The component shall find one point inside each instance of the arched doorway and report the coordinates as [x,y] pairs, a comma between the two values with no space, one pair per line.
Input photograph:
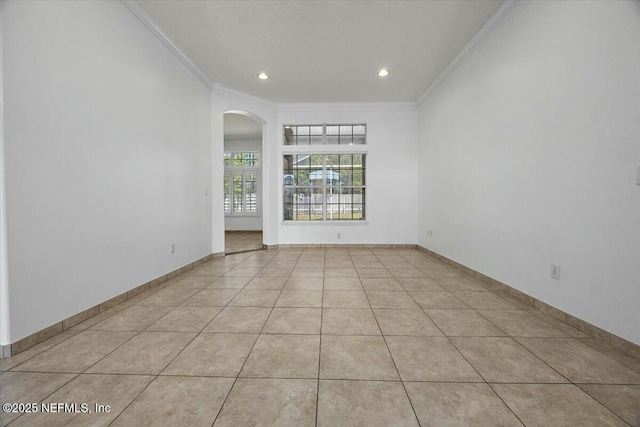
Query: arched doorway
[243,182]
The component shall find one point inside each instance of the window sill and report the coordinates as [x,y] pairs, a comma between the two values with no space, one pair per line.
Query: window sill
[290,223]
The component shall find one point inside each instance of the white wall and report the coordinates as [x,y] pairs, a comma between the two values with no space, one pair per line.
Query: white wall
[107,145]
[245,222]
[529,153]
[391,176]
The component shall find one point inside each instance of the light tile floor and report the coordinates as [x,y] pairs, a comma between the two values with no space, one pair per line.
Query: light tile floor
[328,337]
[241,241]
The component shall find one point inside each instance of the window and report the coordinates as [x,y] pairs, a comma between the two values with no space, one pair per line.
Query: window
[324,187]
[326,134]
[241,183]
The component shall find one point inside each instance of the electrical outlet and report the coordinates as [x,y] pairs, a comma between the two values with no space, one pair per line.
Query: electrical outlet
[555,271]
[429,233]
[173,248]
[339,235]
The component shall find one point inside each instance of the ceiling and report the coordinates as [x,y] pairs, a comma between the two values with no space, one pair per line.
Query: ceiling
[322,51]
[237,126]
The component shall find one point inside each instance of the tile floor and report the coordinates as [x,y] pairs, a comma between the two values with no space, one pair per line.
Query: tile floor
[327,337]
[241,241]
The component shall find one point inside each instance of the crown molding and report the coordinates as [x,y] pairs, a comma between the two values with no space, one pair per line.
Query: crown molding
[137,10]
[508,8]
[321,106]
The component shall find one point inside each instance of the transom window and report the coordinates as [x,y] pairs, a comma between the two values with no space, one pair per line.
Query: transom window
[241,175]
[324,187]
[325,134]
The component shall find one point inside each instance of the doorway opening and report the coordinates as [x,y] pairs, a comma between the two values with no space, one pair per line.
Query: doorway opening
[243,164]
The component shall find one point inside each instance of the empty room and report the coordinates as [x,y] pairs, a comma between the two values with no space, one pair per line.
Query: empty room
[319,213]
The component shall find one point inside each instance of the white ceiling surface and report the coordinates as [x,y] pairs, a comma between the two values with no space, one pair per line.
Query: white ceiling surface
[237,126]
[322,51]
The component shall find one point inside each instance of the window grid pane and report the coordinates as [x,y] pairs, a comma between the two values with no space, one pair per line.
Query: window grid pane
[323,187]
[329,134]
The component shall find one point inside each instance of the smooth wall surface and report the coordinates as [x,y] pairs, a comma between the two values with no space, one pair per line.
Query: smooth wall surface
[391,176]
[107,144]
[529,153]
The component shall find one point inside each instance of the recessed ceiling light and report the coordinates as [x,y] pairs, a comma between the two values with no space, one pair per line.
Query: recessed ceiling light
[383,73]
[263,76]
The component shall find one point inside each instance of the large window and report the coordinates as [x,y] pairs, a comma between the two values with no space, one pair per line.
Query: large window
[324,187]
[241,174]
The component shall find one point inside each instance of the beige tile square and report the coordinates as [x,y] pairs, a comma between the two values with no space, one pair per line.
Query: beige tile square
[406,272]
[304,284]
[384,299]
[211,298]
[464,323]
[146,353]
[364,403]
[564,327]
[117,391]
[461,284]
[11,362]
[419,284]
[349,321]
[293,321]
[304,265]
[191,282]
[579,362]
[23,387]
[356,357]
[133,318]
[345,299]
[77,353]
[168,297]
[555,404]
[275,272]
[243,272]
[216,355]
[273,283]
[239,320]
[520,323]
[185,319]
[429,299]
[177,401]
[367,264]
[430,359]
[405,322]
[255,298]
[338,263]
[449,404]
[624,358]
[342,284]
[504,360]
[283,403]
[310,299]
[483,300]
[340,272]
[303,273]
[284,356]
[373,273]
[381,284]
[623,400]
[229,283]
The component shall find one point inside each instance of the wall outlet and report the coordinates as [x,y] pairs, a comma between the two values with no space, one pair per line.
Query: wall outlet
[555,271]
[173,248]
[339,235]
[429,233]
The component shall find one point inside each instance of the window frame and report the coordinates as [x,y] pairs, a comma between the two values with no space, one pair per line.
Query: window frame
[229,174]
[326,151]
[325,137]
